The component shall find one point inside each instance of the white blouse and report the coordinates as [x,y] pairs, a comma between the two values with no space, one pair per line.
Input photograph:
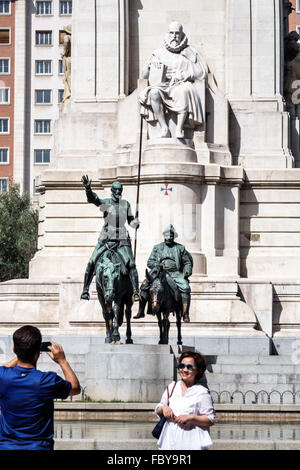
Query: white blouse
[196,400]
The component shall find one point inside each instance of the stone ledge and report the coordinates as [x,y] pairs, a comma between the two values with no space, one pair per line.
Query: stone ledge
[80,406]
[151,444]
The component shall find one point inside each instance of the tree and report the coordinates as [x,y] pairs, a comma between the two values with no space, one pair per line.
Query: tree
[18,234]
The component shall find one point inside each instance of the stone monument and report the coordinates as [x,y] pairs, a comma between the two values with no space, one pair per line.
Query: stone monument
[176,83]
[227,177]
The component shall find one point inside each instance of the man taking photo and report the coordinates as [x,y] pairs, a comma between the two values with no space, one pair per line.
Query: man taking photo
[27,394]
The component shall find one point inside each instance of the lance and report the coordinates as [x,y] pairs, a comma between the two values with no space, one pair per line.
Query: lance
[138,183]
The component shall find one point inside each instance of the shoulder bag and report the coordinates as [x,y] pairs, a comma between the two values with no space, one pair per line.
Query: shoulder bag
[159,426]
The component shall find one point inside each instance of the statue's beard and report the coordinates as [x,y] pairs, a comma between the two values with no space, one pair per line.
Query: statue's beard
[173,46]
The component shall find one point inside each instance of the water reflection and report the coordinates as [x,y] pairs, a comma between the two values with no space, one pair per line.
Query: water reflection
[117,430]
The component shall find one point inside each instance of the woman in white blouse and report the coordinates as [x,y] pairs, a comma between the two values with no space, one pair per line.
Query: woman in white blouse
[190,412]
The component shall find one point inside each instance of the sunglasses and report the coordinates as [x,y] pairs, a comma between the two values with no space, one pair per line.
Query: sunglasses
[189,367]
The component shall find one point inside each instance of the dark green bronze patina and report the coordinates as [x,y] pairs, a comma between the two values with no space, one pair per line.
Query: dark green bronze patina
[113,236]
[177,263]
[114,291]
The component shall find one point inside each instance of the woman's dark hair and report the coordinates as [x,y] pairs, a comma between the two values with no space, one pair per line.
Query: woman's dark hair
[199,362]
[27,342]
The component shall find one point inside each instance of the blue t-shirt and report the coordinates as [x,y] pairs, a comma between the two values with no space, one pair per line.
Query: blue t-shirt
[27,408]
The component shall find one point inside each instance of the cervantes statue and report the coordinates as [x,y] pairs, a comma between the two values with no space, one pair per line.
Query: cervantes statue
[175,73]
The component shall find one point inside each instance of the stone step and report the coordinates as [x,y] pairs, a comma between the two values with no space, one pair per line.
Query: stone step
[131,348]
[254,369]
[215,378]
[250,359]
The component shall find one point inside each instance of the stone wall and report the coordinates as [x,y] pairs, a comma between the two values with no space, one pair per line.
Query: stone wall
[270,224]
[204,23]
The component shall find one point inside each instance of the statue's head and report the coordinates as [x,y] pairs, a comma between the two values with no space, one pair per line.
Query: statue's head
[116,190]
[170,234]
[175,33]
[68,29]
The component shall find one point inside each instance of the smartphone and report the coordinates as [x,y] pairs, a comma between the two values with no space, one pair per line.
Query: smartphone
[44,346]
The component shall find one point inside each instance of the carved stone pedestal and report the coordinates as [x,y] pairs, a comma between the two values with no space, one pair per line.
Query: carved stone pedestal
[169,150]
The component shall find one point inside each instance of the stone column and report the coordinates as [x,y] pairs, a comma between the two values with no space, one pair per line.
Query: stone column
[255,84]
[83,50]
[208,227]
[99,50]
[220,220]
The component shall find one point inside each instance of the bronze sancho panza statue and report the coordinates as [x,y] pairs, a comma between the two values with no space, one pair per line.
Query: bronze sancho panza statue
[177,263]
[116,212]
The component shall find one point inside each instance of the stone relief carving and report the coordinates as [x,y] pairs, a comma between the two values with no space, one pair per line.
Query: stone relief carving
[176,76]
[66,57]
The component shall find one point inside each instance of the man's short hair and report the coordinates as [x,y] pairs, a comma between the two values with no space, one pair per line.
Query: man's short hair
[27,342]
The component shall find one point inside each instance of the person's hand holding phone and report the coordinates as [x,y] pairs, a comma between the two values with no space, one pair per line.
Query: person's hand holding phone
[57,353]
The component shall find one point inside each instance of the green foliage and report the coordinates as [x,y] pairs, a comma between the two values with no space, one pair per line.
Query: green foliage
[18,234]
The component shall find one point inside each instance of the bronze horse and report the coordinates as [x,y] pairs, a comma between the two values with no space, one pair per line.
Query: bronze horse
[114,291]
[161,303]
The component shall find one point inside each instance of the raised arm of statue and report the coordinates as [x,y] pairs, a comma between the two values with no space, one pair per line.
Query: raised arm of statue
[91,196]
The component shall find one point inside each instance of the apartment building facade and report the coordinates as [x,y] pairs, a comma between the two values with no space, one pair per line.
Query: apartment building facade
[31,86]
[7,69]
[294,17]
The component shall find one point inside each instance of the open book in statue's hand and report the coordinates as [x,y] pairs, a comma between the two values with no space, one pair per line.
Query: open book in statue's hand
[157,74]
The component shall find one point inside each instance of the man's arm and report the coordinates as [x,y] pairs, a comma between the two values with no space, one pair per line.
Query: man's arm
[57,355]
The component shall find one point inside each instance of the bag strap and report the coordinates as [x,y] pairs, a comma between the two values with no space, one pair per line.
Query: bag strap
[169,396]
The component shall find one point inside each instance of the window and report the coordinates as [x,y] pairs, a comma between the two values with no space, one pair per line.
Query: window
[42,126]
[4,156]
[60,67]
[4,125]
[5,7]
[3,185]
[60,96]
[4,95]
[43,97]
[42,156]
[65,8]
[43,8]
[43,38]
[4,36]
[43,67]
[298,6]
[4,66]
